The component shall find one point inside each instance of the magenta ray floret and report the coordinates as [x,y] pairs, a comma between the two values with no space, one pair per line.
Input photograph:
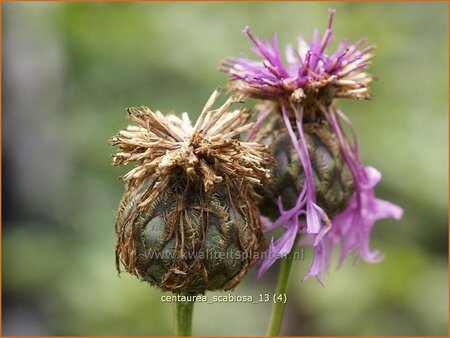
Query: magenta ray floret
[352,228]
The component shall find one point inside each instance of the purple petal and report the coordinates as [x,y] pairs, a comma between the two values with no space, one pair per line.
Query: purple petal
[277,249]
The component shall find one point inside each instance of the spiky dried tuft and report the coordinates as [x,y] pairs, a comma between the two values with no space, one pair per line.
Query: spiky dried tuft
[209,151]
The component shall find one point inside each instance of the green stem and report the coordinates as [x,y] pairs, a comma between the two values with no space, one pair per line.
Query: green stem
[182,316]
[282,285]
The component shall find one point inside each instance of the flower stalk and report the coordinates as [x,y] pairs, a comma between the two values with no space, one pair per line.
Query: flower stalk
[182,317]
[276,316]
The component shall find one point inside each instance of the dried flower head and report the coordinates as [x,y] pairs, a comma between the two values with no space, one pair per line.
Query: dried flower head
[329,195]
[187,221]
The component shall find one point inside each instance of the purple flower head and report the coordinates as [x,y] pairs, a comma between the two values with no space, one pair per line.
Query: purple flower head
[305,70]
[301,91]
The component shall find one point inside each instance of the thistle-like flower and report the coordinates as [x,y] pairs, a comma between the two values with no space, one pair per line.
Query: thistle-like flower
[308,73]
[321,188]
[187,221]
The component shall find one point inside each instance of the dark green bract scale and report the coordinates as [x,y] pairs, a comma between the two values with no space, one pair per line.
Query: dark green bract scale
[332,177]
[186,241]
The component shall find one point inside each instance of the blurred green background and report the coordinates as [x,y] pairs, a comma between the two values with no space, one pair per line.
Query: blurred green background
[69,72]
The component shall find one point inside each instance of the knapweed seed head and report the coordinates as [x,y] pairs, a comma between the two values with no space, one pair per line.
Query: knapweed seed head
[323,192]
[187,221]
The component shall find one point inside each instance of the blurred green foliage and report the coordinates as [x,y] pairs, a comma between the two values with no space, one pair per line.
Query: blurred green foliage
[71,70]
